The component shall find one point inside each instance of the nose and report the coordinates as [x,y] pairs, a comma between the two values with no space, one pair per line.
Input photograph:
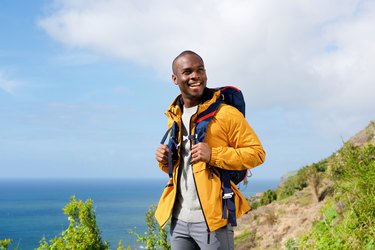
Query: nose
[195,75]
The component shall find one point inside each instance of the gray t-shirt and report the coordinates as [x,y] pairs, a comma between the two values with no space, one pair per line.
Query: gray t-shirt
[187,207]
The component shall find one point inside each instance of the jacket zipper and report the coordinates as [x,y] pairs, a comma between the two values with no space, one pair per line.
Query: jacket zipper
[195,183]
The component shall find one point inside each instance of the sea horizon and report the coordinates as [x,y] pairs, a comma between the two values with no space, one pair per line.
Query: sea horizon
[31,208]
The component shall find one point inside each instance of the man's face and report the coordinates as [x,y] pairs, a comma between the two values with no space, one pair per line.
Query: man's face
[190,76]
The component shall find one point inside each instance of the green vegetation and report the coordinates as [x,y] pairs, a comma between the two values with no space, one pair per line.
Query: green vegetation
[82,232]
[156,237]
[268,197]
[291,244]
[305,176]
[345,181]
[246,238]
[4,244]
[349,218]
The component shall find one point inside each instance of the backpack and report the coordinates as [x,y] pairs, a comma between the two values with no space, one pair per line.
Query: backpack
[231,96]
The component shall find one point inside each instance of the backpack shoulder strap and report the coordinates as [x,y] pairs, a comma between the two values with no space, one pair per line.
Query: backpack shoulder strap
[231,96]
[172,146]
[203,120]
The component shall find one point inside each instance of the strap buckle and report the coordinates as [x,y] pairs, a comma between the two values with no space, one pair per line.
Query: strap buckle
[228,196]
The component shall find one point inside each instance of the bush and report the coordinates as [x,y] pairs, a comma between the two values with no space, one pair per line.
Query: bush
[320,166]
[268,197]
[254,202]
[156,237]
[293,184]
[300,180]
[4,244]
[82,232]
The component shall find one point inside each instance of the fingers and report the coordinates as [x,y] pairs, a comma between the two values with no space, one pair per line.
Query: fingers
[201,152]
[162,153]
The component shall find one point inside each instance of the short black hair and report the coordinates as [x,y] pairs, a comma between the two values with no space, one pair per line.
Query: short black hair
[185,52]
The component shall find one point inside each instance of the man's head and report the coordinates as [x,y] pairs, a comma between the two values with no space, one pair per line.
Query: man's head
[190,76]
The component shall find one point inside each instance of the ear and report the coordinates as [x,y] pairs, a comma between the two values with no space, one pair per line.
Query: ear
[174,79]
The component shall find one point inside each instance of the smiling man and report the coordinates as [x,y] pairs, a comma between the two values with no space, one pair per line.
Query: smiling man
[193,195]
[190,76]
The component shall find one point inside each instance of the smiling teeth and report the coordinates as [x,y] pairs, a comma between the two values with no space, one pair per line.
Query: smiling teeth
[195,84]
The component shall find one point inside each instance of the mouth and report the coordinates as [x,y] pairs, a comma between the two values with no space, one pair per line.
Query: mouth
[195,85]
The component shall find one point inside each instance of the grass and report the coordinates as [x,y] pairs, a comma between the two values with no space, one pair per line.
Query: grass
[246,239]
[349,218]
[346,182]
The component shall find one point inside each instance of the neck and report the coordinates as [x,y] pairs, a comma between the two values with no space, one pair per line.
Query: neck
[188,102]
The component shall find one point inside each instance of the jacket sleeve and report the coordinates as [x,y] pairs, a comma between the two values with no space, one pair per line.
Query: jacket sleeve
[234,143]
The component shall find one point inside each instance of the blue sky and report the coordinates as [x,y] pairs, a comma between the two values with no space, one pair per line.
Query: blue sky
[84,84]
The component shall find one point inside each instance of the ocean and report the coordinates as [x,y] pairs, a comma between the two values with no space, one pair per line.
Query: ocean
[31,209]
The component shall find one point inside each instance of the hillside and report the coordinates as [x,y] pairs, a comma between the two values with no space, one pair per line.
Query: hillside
[310,205]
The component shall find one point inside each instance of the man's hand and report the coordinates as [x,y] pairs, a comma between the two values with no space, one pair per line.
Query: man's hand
[201,152]
[162,154]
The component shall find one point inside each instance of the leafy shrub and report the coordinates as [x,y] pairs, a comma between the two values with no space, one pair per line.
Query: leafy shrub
[82,232]
[268,197]
[300,180]
[293,184]
[4,244]
[320,166]
[254,203]
[121,247]
[156,237]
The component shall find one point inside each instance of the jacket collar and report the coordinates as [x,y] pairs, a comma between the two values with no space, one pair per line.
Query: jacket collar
[176,108]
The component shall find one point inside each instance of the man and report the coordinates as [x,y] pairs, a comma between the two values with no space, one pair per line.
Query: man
[193,196]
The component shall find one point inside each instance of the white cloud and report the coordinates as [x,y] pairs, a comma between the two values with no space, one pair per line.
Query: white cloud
[306,56]
[7,85]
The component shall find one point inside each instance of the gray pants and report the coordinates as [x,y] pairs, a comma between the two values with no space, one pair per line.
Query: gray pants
[192,236]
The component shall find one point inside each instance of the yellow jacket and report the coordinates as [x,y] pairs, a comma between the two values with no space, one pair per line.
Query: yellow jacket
[235,146]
